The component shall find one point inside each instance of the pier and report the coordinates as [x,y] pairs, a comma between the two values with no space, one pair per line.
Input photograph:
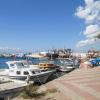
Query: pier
[81,84]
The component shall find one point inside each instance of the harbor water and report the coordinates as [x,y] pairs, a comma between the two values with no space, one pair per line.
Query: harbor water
[3,61]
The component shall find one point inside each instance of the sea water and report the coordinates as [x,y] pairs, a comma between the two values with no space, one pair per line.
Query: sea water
[3,61]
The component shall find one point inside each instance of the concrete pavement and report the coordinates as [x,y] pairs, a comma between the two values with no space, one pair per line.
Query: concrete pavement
[81,84]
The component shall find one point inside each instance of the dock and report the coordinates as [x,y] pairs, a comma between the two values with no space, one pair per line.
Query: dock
[80,84]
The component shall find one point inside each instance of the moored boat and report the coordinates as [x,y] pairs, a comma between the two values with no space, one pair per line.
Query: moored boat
[17,70]
[67,65]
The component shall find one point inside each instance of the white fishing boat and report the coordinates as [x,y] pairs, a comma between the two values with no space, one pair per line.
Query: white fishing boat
[66,65]
[17,70]
[66,68]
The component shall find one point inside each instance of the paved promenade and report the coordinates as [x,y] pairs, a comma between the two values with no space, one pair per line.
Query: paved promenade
[81,84]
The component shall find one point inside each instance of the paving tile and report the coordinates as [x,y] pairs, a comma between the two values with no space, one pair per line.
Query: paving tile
[81,84]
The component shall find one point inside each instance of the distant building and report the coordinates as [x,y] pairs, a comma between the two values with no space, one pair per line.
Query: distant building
[79,55]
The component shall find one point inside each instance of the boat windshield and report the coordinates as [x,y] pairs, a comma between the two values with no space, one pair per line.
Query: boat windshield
[21,65]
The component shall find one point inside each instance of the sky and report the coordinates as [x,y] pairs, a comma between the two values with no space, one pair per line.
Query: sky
[45,24]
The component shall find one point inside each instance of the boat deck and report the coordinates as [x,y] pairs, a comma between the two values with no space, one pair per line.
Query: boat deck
[80,84]
[8,87]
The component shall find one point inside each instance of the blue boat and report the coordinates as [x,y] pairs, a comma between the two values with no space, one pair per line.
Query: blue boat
[95,62]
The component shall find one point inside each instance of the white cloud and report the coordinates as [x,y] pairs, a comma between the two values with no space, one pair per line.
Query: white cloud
[87,42]
[91,14]
[89,2]
[92,31]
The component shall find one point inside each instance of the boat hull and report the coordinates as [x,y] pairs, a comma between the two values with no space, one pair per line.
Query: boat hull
[66,68]
[41,78]
[38,78]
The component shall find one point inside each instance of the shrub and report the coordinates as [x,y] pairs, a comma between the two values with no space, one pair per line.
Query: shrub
[31,92]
